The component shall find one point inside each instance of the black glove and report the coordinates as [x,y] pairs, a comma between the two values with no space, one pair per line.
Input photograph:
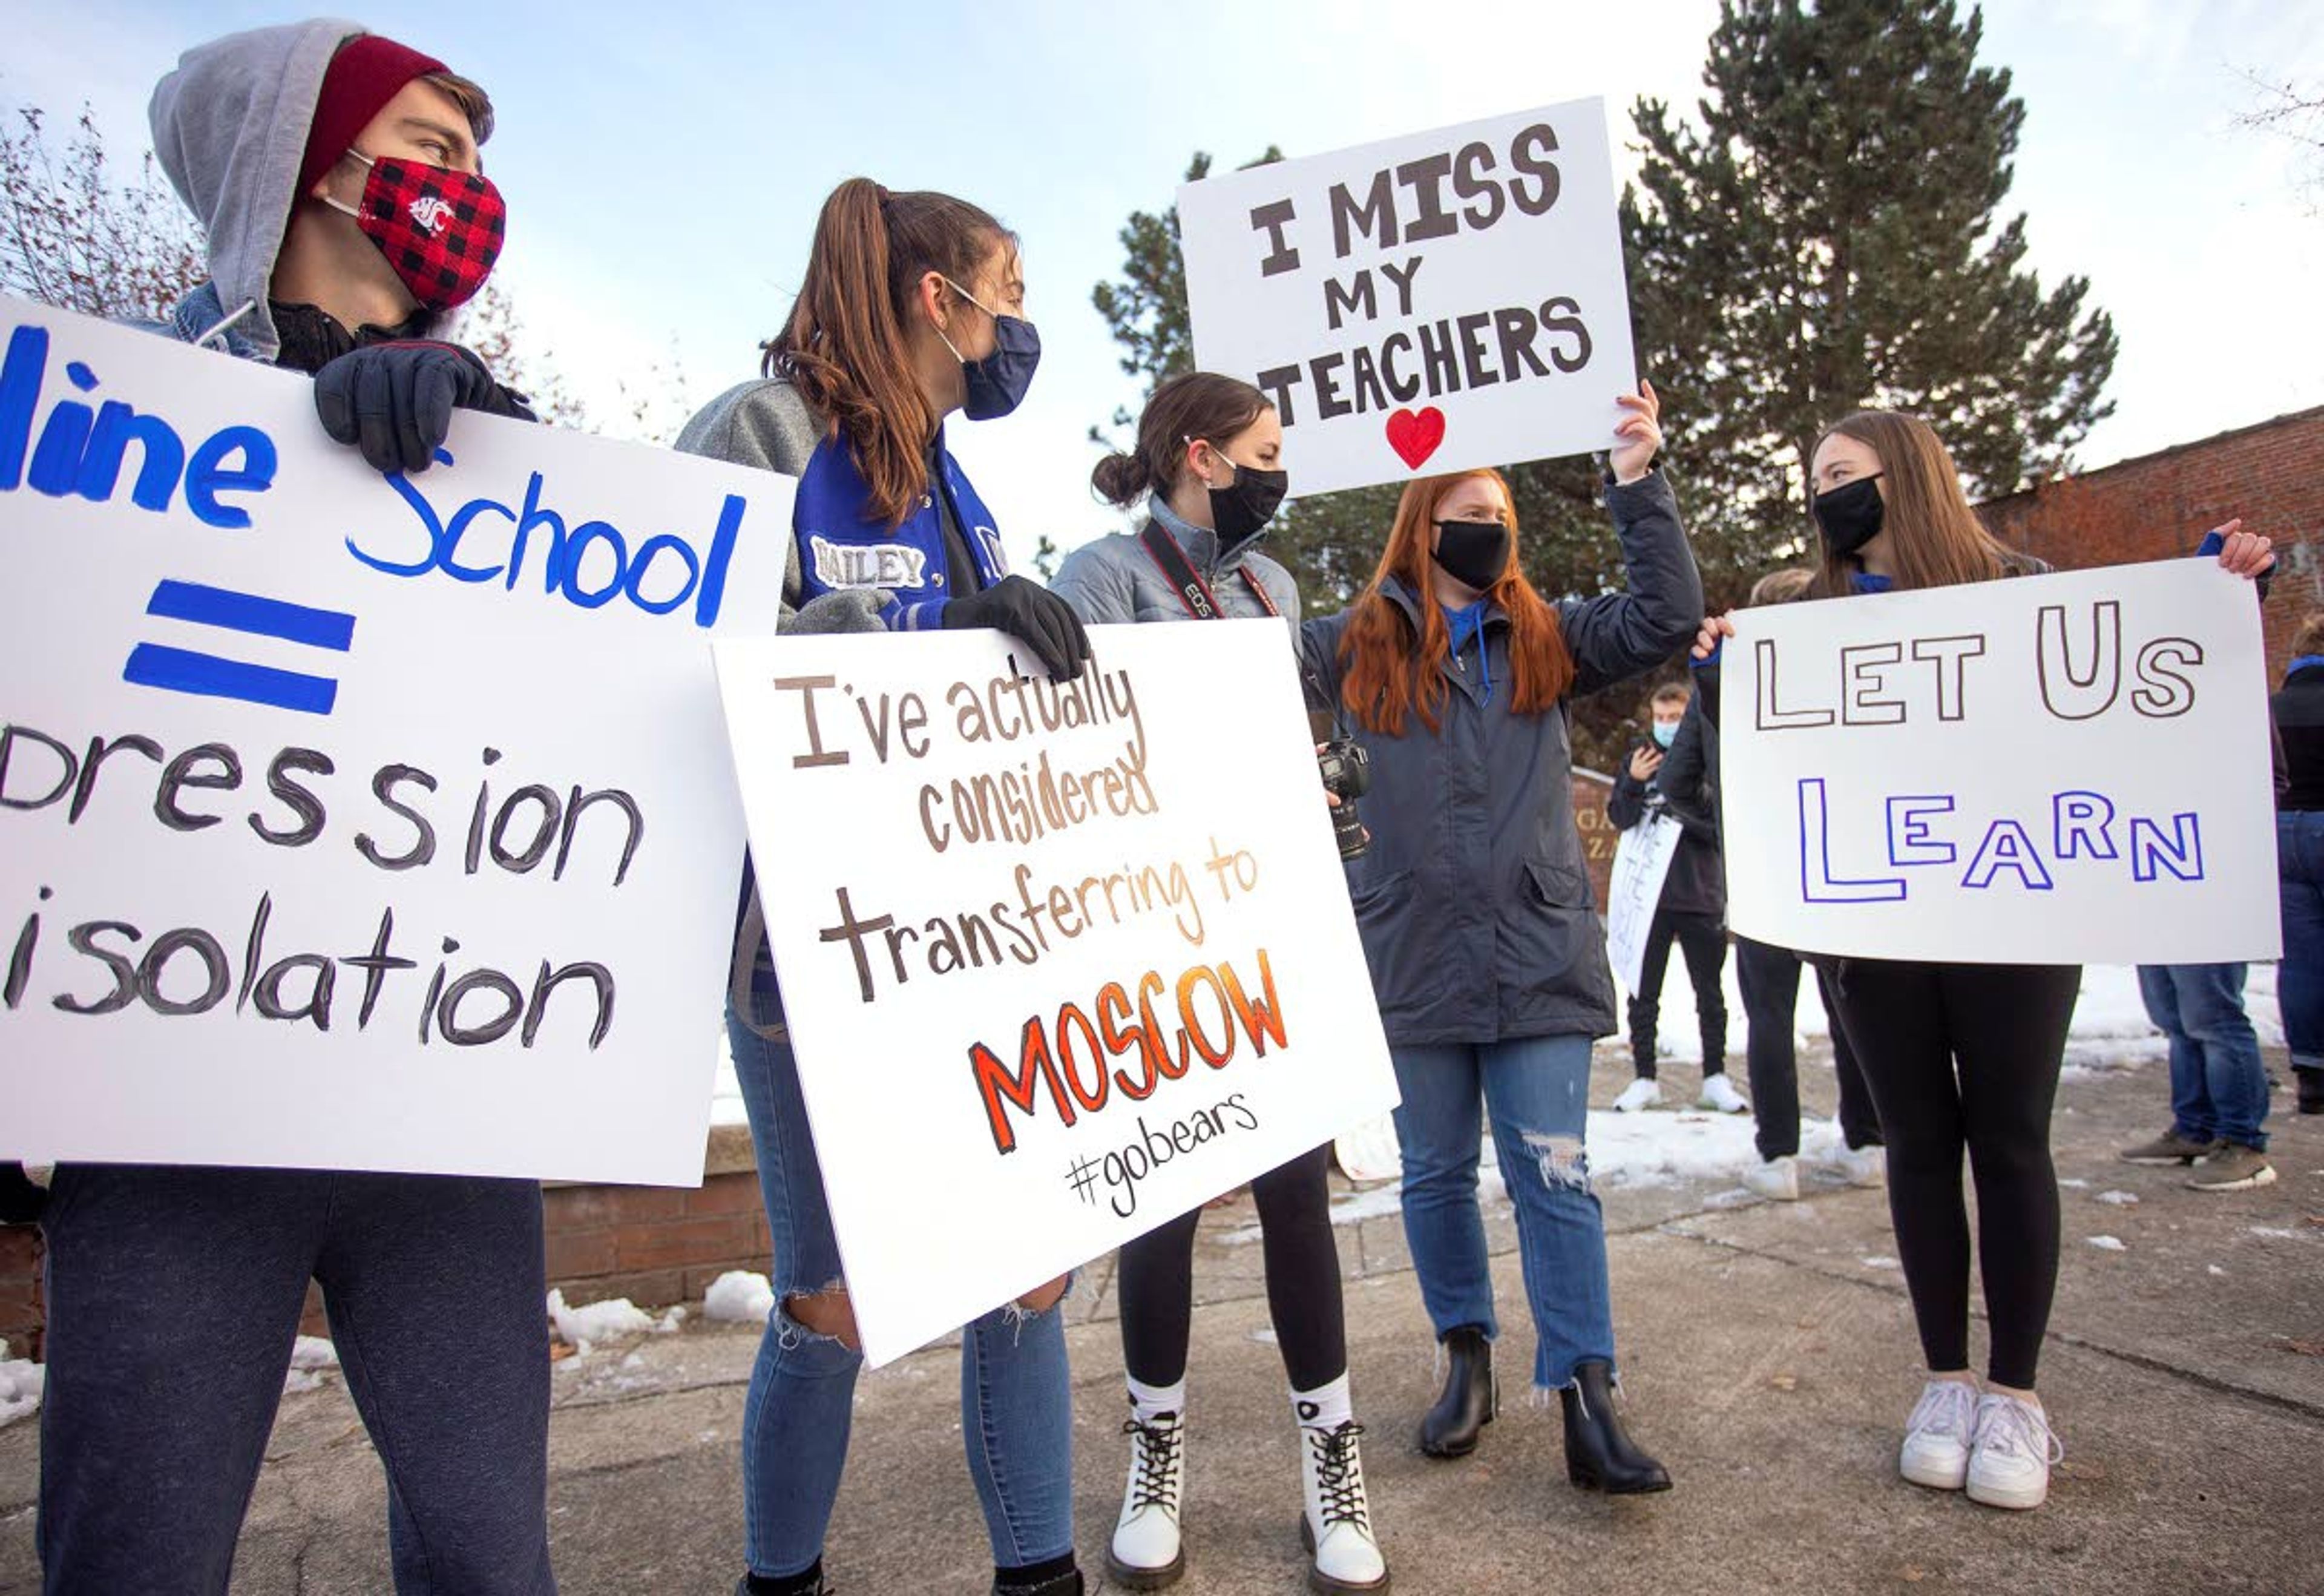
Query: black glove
[394,401]
[1030,611]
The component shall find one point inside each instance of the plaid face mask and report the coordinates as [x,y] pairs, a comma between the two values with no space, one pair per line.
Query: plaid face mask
[440,229]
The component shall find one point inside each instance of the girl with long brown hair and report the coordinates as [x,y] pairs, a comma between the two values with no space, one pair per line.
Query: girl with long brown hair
[910,308]
[1959,1057]
[1488,958]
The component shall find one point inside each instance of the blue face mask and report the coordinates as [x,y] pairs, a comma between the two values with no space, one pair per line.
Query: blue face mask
[1665,733]
[996,385]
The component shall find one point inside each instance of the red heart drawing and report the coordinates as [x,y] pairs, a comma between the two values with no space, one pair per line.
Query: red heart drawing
[1415,434]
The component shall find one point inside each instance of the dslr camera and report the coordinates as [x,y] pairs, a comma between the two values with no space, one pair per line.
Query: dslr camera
[1347,772]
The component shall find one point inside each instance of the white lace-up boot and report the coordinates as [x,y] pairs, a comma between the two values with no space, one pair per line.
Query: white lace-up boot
[1146,1552]
[1336,1529]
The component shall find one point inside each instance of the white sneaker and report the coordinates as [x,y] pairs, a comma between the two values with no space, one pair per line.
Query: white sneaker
[1336,1529]
[2009,1461]
[1147,1552]
[1863,1165]
[1777,1179]
[1718,1094]
[1938,1435]
[1640,1093]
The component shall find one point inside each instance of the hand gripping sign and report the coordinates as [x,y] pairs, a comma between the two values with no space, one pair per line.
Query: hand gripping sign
[351,821]
[2056,770]
[1429,303]
[1060,960]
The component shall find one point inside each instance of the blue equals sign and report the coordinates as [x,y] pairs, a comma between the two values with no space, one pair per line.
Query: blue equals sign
[183,670]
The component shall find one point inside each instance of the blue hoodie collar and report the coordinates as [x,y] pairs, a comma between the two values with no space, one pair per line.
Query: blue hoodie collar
[1866,582]
[1468,623]
[2300,662]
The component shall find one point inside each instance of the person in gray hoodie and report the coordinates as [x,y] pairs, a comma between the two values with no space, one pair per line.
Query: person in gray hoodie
[1488,960]
[174,1293]
[1207,466]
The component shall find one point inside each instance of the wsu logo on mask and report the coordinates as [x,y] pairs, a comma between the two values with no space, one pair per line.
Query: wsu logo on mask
[431,212]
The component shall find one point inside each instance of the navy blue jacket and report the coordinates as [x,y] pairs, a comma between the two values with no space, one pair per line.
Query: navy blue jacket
[1474,900]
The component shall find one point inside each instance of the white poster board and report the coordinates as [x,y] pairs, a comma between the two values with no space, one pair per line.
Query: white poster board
[1060,960]
[1642,861]
[1424,304]
[350,821]
[2069,769]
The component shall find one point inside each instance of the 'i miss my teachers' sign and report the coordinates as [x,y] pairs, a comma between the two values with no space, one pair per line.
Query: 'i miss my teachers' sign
[1429,303]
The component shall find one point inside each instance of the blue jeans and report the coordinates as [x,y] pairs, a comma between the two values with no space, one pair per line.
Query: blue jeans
[2299,979]
[1015,1410]
[1536,1090]
[2219,1087]
[173,1297]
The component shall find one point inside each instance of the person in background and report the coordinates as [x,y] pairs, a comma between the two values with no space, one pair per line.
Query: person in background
[1670,774]
[338,178]
[1488,957]
[910,308]
[1769,978]
[2298,709]
[1960,1057]
[1208,467]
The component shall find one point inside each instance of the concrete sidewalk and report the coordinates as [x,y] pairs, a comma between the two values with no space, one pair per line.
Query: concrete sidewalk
[1769,1361]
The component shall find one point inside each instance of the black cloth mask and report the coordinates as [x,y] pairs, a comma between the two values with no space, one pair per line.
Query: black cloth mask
[1240,510]
[1851,515]
[1475,552]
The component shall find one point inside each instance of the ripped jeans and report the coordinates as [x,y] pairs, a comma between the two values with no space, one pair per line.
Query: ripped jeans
[1014,1402]
[1535,1091]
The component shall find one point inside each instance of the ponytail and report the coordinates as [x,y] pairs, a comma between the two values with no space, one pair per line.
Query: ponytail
[847,348]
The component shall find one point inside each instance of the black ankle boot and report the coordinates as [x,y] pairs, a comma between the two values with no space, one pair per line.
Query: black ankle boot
[2312,1089]
[1467,1403]
[1600,1455]
[1069,1584]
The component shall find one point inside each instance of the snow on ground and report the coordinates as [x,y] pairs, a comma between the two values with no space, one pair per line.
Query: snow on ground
[20,1388]
[614,1319]
[739,1296]
[312,1359]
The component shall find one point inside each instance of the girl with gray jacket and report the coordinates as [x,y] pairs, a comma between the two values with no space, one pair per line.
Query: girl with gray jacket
[1208,466]
[1488,959]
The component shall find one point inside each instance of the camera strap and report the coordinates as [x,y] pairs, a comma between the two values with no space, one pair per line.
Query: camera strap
[1192,591]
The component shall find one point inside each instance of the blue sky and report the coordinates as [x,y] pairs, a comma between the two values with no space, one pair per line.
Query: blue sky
[664,165]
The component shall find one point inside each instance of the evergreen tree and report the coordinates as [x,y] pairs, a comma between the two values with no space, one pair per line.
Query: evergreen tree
[1831,237]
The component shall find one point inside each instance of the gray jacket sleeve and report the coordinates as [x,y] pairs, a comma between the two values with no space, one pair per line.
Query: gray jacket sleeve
[1098,586]
[765,424]
[1624,634]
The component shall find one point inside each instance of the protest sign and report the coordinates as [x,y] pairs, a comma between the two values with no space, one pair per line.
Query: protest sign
[1424,304]
[2048,770]
[351,821]
[1060,960]
[1642,861]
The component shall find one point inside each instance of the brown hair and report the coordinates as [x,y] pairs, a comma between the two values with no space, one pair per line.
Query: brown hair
[1935,538]
[475,104]
[844,348]
[1391,672]
[1195,404]
[1672,692]
[2310,638]
[1780,587]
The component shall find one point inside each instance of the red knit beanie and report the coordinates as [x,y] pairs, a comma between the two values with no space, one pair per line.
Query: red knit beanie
[368,72]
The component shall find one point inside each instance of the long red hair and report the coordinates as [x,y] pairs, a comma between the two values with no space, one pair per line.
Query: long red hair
[1389,672]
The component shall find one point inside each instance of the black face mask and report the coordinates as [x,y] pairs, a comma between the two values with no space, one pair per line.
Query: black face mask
[1240,510]
[1474,552]
[996,385]
[1851,515]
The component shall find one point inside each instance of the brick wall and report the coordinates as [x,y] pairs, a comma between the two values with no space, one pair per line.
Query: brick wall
[655,1245]
[2159,505]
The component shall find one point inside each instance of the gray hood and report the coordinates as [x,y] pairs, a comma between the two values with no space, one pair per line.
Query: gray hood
[230,129]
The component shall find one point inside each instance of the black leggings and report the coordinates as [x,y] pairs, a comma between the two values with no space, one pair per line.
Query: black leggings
[1702,938]
[1967,1056]
[1770,979]
[1303,1282]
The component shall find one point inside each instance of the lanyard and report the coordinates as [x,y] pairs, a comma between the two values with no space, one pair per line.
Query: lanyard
[1192,591]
